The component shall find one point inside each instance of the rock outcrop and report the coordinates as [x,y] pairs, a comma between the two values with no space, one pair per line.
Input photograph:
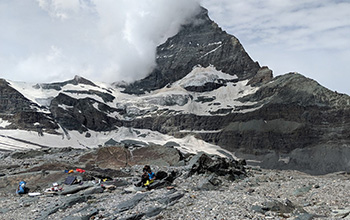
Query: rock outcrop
[81,114]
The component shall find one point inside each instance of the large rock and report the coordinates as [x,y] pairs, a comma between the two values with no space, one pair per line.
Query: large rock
[212,182]
[117,156]
[131,203]
[63,203]
[203,163]
[83,214]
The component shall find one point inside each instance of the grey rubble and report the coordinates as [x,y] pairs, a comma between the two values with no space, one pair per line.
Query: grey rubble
[196,193]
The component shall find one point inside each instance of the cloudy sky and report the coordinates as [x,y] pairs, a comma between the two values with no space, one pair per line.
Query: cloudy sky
[311,37]
[113,40]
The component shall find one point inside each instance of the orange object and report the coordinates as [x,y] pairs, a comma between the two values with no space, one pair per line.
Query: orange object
[71,171]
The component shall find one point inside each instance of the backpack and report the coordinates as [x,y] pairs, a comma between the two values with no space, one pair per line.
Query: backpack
[161,175]
[21,189]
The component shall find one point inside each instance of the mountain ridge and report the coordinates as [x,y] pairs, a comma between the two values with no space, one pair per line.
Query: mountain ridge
[205,94]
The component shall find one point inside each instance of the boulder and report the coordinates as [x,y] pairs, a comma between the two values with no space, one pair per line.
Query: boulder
[74,189]
[153,211]
[63,203]
[93,190]
[280,207]
[114,157]
[171,198]
[131,203]
[84,213]
[210,183]
[203,163]
[137,216]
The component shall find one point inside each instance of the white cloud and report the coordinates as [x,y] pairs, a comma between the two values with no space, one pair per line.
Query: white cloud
[106,40]
[60,8]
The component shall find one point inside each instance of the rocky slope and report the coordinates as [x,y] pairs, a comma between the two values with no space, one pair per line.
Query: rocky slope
[205,94]
[202,187]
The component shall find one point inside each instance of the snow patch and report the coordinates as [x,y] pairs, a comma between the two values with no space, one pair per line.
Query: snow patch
[43,97]
[65,107]
[201,75]
[212,51]
[200,131]
[95,105]
[4,123]
[215,43]
[11,140]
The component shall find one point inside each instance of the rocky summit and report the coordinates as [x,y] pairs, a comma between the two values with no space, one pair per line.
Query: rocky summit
[204,111]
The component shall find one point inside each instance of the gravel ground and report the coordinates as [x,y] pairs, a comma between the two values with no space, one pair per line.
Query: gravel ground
[320,196]
[264,194]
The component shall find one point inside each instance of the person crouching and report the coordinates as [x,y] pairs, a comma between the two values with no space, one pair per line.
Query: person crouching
[151,176]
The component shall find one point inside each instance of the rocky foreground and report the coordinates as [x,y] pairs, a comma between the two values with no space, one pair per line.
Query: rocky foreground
[197,187]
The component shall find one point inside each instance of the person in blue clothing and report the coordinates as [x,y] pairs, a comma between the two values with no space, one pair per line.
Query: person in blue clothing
[151,175]
[22,189]
[147,177]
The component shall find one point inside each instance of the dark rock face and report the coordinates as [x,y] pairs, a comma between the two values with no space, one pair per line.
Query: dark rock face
[11,101]
[201,42]
[21,112]
[297,117]
[297,113]
[80,114]
[209,86]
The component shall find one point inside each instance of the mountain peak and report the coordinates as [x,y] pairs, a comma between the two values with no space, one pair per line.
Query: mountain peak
[81,80]
[199,42]
[58,85]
